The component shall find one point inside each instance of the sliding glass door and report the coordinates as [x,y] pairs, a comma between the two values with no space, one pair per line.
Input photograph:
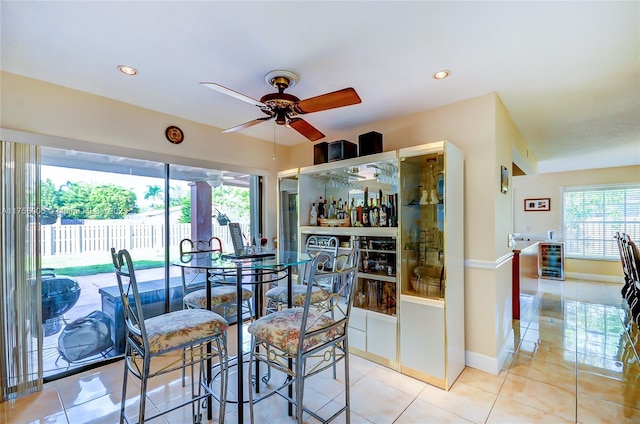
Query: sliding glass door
[92,202]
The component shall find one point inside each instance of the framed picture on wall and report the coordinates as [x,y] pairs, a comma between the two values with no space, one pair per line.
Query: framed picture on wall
[504,179]
[537,205]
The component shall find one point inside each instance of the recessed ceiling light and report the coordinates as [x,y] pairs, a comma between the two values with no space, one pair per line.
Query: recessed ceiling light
[441,74]
[128,70]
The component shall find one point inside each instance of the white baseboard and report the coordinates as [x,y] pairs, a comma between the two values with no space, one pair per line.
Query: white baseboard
[595,277]
[488,363]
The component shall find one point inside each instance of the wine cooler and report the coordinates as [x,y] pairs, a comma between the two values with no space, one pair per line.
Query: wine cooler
[551,260]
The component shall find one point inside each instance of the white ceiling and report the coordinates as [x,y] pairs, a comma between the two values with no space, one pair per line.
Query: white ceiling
[568,72]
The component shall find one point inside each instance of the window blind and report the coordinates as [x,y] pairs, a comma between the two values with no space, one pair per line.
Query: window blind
[592,215]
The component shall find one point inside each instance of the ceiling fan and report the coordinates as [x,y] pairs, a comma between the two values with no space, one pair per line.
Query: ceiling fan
[285,107]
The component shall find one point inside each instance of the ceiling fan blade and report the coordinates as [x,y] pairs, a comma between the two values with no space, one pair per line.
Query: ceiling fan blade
[232,93]
[340,98]
[247,124]
[306,129]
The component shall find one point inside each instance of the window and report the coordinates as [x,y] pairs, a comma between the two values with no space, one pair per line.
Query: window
[592,216]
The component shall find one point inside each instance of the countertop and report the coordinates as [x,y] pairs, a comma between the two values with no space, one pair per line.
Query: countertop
[524,244]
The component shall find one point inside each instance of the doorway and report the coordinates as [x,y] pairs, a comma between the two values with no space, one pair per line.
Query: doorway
[92,202]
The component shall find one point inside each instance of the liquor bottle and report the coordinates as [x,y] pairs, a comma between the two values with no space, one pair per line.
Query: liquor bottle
[392,212]
[332,210]
[373,213]
[365,209]
[353,212]
[321,208]
[383,212]
[395,210]
[313,215]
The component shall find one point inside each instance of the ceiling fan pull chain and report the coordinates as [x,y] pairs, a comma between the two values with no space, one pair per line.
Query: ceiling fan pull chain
[274,141]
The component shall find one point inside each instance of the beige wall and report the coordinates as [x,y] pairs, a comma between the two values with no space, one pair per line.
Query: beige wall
[76,120]
[549,185]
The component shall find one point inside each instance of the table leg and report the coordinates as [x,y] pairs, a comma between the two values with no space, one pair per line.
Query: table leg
[289,304]
[239,356]
[257,312]
[209,374]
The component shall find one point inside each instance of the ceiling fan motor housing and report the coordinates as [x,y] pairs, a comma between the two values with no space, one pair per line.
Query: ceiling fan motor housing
[279,104]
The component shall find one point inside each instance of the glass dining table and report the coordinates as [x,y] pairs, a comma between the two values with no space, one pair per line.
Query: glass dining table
[257,269]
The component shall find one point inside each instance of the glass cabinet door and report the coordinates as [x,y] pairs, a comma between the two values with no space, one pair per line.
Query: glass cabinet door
[422,225]
[431,306]
[288,212]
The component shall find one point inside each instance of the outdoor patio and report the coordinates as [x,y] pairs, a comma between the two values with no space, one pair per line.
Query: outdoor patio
[90,300]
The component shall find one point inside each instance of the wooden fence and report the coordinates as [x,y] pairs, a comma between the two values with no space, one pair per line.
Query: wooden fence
[59,239]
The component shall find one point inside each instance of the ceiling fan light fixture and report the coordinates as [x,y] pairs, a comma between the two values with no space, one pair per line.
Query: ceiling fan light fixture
[128,70]
[281,118]
[441,74]
[215,183]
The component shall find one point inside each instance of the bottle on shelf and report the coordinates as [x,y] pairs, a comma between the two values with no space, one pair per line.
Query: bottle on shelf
[332,210]
[365,209]
[393,211]
[353,213]
[313,215]
[321,208]
[383,212]
[373,212]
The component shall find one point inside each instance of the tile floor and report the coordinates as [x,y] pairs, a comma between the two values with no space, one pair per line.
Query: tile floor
[575,359]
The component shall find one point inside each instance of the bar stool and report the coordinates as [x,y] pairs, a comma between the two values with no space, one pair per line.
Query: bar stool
[197,333]
[288,339]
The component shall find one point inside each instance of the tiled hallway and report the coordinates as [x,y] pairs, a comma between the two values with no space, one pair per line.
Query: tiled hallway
[575,359]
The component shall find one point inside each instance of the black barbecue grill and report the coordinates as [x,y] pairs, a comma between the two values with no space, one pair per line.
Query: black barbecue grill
[59,294]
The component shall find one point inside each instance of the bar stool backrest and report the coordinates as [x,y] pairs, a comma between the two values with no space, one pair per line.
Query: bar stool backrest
[131,302]
[328,247]
[188,246]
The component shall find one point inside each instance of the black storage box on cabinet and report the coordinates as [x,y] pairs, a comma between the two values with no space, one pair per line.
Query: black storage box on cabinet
[320,154]
[370,143]
[342,149]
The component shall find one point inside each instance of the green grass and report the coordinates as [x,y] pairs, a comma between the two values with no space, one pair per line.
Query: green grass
[98,262]
[78,271]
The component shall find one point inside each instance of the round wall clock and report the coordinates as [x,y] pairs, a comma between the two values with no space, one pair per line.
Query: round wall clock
[174,134]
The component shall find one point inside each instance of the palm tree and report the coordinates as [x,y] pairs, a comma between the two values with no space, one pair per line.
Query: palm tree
[153,192]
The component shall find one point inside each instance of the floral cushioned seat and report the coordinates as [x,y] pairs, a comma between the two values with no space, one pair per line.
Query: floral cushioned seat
[282,329]
[182,328]
[279,294]
[219,296]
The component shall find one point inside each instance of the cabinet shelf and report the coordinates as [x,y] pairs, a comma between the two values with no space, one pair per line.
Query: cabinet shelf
[365,250]
[437,303]
[350,231]
[378,276]
[381,310]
